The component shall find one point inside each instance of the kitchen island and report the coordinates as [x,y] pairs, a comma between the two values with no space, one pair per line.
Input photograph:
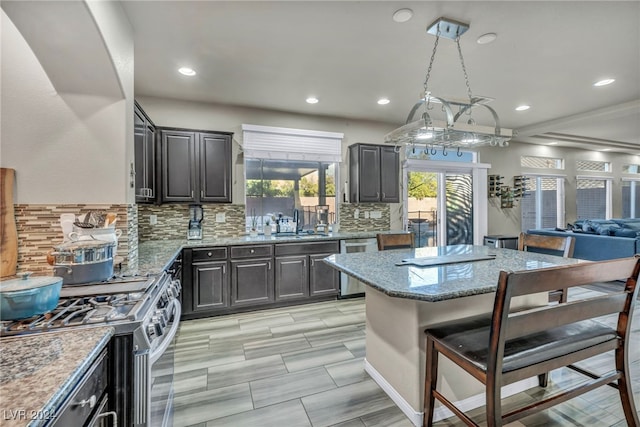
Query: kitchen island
[39,372]
[403,300]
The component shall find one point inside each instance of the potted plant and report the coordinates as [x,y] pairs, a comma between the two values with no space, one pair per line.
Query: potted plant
[253,231]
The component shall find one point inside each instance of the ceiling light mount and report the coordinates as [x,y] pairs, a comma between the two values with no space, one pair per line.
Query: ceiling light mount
[448,28]
[450,131]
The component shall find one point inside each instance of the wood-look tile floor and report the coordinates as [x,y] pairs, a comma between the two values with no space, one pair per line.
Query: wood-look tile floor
[303,366]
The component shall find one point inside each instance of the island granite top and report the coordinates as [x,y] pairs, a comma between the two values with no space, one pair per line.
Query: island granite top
[38,371]
[443,282]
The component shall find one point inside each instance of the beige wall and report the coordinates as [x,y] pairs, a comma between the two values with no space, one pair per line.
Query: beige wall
[67,147]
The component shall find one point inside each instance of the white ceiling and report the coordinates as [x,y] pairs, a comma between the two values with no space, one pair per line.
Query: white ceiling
[274,55]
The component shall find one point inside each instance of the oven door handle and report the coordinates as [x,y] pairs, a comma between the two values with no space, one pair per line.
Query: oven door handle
[168,337]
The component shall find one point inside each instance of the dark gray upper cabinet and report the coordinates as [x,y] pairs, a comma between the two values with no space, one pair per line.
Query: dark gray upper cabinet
[195,166]
[389,175]
[373,174]
[215,167]
[145,156]
[178,166]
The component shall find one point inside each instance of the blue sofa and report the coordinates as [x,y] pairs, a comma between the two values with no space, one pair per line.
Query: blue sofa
[599,239]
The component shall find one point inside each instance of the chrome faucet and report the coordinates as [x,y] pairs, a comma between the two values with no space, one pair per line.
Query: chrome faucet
[296,219]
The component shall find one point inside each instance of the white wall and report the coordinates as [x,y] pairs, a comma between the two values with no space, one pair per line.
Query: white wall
[506,162]
[67,147]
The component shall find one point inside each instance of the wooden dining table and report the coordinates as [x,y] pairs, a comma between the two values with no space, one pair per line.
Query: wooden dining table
[409,290]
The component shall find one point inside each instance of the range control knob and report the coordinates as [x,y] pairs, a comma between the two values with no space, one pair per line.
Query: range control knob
[161,318]
[158,327]
[151,331]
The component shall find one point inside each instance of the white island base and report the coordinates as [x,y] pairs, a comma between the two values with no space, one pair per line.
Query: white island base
[395,350]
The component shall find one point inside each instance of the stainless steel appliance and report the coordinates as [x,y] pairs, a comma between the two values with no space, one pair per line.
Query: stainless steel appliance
[145,313]
[350,287]
[195,222]
[501,241]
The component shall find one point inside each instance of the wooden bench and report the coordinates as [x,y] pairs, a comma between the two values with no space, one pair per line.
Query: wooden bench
[506,347]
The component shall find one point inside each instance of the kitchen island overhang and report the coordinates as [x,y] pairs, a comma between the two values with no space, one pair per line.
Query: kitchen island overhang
[401,301]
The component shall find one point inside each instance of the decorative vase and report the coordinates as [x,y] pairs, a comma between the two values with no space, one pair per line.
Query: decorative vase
[267,230]
[253,232]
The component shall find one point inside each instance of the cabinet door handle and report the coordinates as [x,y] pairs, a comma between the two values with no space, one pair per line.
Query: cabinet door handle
[252,250]
[192,194]
[209,254]
[304,262]
[202,194]
[313,262]
[377,194]
[384,195]
[269,265]
[224,269]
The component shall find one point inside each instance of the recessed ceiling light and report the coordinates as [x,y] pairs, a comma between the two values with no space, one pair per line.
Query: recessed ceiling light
[553,143]
[187,71]
[523,107]
[604,82]
[605,149]
[487,38]
[402,15]
[312,100]
[383,101]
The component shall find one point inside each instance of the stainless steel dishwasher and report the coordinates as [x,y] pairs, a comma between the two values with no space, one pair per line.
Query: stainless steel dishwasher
[350,287]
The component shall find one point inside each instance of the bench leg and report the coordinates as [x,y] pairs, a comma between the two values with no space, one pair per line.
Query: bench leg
[431,379]
[624,388]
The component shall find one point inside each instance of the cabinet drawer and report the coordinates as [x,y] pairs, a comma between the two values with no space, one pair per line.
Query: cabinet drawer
[90,391]
[307,248]
[253,251]
[209,254]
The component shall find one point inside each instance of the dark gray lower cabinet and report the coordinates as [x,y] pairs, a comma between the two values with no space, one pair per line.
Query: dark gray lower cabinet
[292,277]
[251,282]
[210,285]
[228,279]
[323,279]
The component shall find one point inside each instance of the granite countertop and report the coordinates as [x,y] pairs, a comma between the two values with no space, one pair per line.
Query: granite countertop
[439,283]
[154,256]
[38,371]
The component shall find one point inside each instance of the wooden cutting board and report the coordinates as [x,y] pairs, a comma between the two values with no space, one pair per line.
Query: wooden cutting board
[8,230]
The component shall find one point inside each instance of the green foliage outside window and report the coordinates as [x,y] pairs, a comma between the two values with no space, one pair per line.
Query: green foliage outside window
[422,185]
[260,188]
[309,188]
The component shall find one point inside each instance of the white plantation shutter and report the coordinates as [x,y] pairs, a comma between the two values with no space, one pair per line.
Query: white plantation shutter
[265,142]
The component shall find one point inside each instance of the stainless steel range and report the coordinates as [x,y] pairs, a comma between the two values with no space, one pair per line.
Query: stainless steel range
[145,313]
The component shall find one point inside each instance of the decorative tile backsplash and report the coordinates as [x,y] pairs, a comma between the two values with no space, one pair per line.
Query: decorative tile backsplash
[39,231]
[367,217]
[173,221]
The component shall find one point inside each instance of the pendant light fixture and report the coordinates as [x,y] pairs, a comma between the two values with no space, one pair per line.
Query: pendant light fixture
[456,128]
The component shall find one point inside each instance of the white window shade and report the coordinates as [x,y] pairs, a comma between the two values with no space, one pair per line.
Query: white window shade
[264,142]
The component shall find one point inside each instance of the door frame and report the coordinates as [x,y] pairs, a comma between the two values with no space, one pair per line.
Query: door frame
[478,172]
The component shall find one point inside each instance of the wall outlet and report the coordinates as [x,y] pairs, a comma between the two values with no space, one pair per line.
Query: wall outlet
[366,214]
[220,217]
[376,214]
[356,213]
[153,219]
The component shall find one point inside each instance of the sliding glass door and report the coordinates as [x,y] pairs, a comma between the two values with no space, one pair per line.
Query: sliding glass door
[445,203]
